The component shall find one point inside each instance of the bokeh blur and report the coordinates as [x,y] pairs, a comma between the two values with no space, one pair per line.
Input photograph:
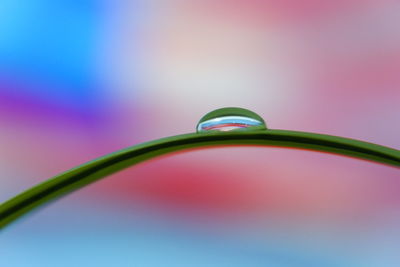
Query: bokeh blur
[81,79]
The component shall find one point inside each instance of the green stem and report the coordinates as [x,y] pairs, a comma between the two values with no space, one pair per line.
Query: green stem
[99,168]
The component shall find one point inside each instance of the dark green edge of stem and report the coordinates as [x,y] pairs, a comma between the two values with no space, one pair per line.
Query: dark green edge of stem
[99,168]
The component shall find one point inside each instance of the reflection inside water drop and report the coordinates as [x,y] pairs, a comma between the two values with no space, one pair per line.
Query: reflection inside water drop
[228,123]
[230,119]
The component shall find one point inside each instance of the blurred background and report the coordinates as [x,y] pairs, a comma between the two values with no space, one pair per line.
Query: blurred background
[81,79]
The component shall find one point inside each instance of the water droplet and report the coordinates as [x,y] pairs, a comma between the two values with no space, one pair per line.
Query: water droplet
[230,119]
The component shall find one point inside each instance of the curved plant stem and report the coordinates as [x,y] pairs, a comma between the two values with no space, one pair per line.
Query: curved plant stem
[99,168]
